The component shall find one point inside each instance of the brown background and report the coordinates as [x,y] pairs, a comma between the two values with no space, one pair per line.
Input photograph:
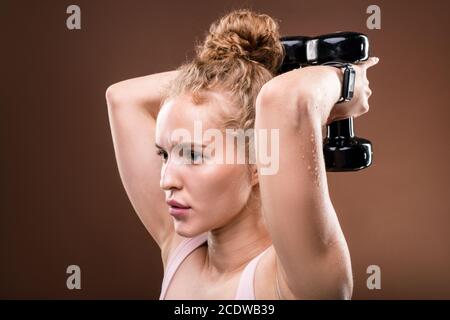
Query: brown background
[62,199]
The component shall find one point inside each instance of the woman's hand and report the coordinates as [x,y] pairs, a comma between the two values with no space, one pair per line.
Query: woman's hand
[359,104]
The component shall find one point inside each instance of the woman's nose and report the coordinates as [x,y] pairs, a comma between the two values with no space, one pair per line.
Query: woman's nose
[170,176]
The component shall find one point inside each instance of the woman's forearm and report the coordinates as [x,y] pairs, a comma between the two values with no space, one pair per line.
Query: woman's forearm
[145,92]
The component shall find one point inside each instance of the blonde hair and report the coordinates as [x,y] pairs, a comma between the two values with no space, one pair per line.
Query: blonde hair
[240,53]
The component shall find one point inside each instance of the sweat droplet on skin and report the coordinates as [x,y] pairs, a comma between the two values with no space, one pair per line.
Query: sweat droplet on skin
[314,154]
[311,160]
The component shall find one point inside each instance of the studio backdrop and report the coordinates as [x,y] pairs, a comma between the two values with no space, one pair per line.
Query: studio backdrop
[63,205]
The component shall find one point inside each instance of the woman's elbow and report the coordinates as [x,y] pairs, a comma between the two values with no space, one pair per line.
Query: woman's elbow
[113,94]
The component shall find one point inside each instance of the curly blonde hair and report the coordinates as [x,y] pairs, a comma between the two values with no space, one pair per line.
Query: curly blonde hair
[240,53]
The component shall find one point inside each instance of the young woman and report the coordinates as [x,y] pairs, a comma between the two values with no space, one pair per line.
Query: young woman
[227,231]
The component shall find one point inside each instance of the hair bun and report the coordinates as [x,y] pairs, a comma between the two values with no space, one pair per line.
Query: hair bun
[244,34]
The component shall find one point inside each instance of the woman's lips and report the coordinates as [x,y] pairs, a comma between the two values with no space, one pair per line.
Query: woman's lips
[178,212]
[177,209]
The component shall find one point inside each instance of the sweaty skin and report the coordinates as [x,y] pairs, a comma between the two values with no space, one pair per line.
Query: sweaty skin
[243,211]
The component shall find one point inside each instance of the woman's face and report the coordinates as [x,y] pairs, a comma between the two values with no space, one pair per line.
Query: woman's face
[215,192]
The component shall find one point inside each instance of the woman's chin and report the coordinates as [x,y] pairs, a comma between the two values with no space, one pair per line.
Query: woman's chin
[183,229]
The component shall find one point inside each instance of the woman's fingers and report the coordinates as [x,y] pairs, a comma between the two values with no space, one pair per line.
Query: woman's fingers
[359,105]
[371,62]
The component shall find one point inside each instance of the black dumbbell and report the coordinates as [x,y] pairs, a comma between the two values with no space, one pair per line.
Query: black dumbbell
[343,151]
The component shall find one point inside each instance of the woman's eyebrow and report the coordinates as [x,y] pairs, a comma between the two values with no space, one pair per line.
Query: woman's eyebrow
[191,144]
[184,144]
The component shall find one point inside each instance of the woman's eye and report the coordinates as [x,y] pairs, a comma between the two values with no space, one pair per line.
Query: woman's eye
[162,153]
[195,156]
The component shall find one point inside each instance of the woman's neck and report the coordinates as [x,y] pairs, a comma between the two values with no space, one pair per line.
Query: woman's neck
[232,246]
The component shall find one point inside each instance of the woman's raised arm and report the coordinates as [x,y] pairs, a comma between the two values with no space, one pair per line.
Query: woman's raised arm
[311,252]
[132,108]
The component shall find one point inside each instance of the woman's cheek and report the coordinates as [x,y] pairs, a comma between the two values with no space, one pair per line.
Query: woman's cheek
[218,187]
[212,180]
